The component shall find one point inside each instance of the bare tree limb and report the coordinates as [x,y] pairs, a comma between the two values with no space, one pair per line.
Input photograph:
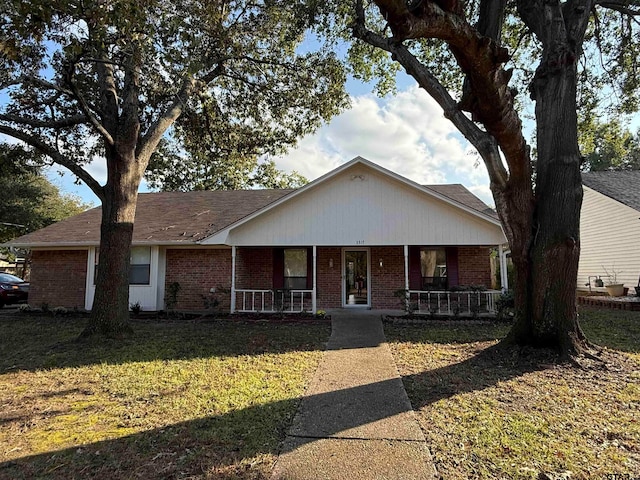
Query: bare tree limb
[150,140]
[56,157]
[39,82]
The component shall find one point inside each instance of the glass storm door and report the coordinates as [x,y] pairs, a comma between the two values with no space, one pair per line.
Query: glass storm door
[355,278]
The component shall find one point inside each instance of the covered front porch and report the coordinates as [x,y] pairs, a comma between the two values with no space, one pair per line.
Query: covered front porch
[424,279]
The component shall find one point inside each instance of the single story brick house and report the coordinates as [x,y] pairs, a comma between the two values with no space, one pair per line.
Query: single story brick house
[351,238]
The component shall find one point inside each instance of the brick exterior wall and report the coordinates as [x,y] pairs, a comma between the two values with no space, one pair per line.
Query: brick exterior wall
[197,271]
[474,266]
[254,268]
[387,279]
[329,279]
[58,278]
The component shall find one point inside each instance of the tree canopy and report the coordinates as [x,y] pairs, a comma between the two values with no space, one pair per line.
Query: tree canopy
[29,201]
[171,170]
[107,81]
[610,146]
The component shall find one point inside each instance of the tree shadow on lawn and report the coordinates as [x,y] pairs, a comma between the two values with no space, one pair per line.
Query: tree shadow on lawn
[41,343]
[224,446]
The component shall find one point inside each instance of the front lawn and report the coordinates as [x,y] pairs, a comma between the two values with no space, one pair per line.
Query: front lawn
[176,400]
[490,413]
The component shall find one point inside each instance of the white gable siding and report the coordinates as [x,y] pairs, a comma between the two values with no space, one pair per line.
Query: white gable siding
[361,206]
[610,239]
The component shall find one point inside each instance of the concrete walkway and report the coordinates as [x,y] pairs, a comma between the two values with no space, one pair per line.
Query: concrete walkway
[355,421]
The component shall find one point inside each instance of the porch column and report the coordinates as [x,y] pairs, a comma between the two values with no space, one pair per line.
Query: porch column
[406,267]
[504,280]
[314,303]
[233,279]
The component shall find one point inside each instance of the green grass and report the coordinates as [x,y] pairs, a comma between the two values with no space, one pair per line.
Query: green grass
[614,329]
[195,400]
[494,413]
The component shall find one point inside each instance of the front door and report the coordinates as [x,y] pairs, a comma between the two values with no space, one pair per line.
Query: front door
[355,278]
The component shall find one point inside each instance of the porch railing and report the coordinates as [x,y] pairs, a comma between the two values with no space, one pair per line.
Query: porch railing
[287,301]
[445,302]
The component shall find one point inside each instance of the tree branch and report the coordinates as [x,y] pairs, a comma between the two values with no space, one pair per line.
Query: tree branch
[621,6]
[480,58]
[151,138]
[32,122]
[84,106]
[57,157]
[44,84]
[482,141]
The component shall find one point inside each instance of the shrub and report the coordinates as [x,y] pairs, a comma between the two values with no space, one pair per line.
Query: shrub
[59,311]
[171,297]
[505,305]
[136,308]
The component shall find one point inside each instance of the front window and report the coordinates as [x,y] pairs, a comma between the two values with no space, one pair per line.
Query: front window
[295,268]
[140,269]
[433,268]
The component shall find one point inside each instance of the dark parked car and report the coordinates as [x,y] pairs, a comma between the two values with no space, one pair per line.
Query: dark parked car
[12,289]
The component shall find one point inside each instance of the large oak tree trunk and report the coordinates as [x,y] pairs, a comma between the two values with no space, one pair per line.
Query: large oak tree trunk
[110,310]
[546,282]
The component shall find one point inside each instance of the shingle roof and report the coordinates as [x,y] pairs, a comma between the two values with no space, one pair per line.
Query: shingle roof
[460,194]
[162,218]
[623,186]
[174,218]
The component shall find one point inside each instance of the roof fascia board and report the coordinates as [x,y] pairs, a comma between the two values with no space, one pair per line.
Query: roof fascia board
[68,245]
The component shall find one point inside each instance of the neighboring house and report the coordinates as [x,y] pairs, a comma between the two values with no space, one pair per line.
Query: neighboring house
[610,228]
[351,238]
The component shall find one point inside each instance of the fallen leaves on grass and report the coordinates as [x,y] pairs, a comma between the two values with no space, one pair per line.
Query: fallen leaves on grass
[509,413]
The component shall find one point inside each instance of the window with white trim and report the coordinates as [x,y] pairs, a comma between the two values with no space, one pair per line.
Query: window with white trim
[140,268]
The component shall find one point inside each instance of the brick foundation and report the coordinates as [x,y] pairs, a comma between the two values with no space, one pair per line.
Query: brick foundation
[58,278]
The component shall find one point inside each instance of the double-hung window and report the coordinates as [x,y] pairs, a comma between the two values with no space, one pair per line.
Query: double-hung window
[433,268]
[295,268]
[139,269]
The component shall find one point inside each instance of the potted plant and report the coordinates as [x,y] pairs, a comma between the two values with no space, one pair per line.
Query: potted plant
[614,289]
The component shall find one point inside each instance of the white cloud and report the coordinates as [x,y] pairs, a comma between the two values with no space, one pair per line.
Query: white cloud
[407,134]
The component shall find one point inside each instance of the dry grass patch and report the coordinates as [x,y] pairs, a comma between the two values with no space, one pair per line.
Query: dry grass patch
[176,400]
[496,413]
